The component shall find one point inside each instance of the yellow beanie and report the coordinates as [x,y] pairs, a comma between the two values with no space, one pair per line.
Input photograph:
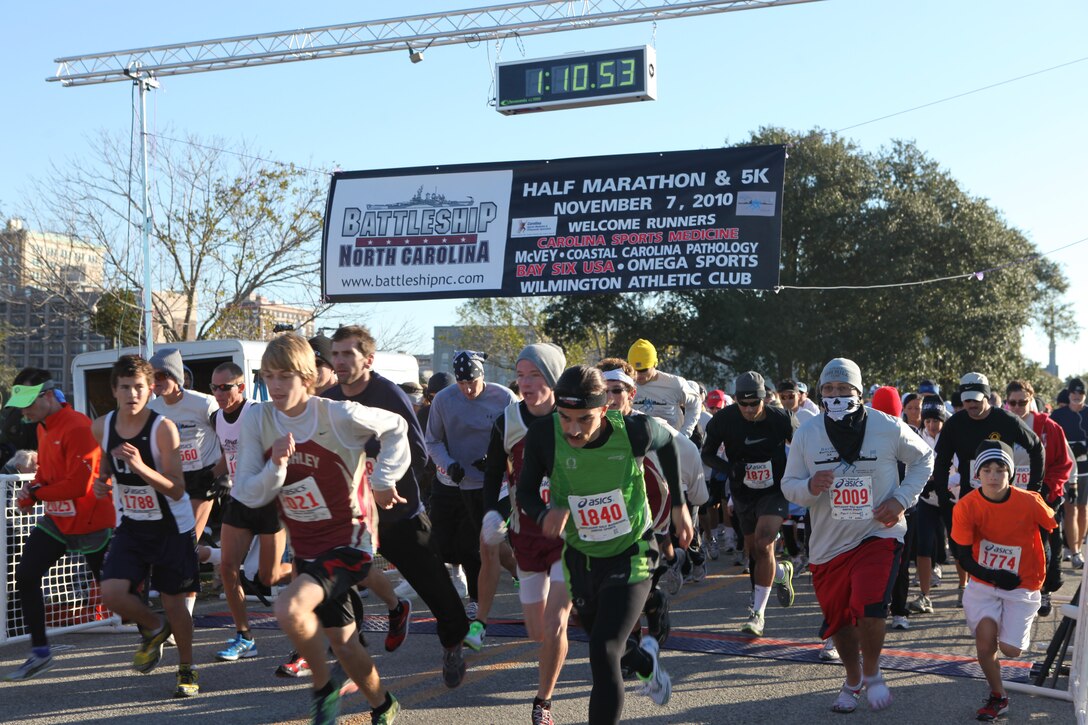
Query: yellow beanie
[642,355]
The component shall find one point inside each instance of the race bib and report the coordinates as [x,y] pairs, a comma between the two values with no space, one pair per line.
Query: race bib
[302,501]
[546,491]
[190,456]
[999,556]
[601,517]
[140,503]
[65,508]
[1021,476]
[504,489]
[975,483]
[232,464]
[852,498]
[758,475]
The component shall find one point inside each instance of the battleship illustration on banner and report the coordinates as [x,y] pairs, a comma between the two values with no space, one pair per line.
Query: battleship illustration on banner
[420,199]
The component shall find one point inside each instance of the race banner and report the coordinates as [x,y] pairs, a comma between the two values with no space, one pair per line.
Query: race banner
[707,219]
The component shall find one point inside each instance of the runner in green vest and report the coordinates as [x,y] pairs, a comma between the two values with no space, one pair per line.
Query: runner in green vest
[593,458]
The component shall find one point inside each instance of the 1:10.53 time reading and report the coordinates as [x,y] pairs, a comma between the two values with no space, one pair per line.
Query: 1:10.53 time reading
[572,78]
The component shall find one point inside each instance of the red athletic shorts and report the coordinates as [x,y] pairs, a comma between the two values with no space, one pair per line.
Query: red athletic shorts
[856,583]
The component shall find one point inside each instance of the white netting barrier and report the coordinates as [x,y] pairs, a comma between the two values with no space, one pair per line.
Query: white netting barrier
[72,598]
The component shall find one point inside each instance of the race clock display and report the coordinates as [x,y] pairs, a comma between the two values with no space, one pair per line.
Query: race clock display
[575,80]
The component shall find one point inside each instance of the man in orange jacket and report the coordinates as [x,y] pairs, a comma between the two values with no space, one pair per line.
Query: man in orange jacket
[75,520]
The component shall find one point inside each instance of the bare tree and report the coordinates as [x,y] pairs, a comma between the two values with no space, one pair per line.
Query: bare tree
[225,225]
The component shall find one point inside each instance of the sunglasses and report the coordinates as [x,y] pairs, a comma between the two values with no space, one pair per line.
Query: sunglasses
[225,388]
[617,391]
[1016,403]
[752,404]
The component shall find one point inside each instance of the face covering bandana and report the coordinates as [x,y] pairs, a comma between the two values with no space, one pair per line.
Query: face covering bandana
[839,407]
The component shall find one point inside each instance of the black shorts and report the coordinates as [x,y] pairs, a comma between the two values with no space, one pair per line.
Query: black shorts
[200,484]
[337,571]
[260,521]
[169,558]
[588,575]
[749,510]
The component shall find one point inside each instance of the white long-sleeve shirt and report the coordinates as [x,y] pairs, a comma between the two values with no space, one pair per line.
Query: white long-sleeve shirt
[257,480]
[888,441]
[669,398]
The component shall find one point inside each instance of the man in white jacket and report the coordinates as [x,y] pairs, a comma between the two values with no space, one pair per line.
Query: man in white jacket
[843,465]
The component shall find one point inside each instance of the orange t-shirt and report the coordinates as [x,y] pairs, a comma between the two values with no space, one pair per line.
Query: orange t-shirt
[1005,535]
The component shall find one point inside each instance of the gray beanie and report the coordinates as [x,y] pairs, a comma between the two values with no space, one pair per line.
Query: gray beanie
[548,358]
[841,370]
[168,359]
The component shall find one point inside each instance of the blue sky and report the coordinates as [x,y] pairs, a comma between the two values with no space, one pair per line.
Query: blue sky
[830,64]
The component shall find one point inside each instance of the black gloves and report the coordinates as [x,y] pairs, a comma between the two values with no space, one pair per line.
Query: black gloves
[480,464]
[220,487]
[455,472]
[1004,579]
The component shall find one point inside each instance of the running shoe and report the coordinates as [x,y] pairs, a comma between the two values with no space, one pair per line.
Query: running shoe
[453,665]
[542,715]
[672,580]
[729,539]
[900,622]
[460,583]
[295,666]
[340,680]
[921,604]
[658,686]
[238,648]
[937,574]
[188,683]
[150,650]
[959,598]
[754,625]
[784,587]
[698,573]
[472,609]
[1045,605]
[33,667]
[828,653]
[404,590]
[996,706]
[847,701]
[387,717]
[657,616]
[712,549]
[325,709]
[1078,561]
[475,637]
[398,625]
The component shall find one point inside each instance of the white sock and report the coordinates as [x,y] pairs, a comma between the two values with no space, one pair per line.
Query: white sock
[215,555]
[190,603]
[760,596]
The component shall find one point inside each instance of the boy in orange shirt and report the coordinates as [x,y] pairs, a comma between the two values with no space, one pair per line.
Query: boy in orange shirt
[998,529]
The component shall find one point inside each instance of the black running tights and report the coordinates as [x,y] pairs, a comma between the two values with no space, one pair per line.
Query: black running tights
[620,607]
[40,552]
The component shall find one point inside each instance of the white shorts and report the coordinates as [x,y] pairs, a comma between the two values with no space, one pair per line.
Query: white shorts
[534,585]
[1013,611]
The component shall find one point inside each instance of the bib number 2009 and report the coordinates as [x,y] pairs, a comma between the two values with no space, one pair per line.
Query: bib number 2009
[852,498]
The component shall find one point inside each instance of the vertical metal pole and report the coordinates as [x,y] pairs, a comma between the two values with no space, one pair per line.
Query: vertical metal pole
[149,339]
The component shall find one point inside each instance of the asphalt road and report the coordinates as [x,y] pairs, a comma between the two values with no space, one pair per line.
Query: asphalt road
[777,679]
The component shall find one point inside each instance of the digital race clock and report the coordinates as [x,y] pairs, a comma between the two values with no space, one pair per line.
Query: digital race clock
[577,79]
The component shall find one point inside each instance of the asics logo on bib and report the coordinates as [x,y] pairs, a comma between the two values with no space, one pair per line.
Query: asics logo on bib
[599,501]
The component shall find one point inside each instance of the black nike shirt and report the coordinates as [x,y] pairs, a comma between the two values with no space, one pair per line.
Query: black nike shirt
[749,443]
